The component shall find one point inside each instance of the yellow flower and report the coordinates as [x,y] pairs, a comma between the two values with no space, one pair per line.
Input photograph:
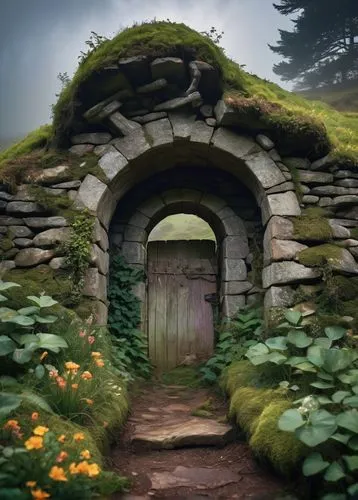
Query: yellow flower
[34,443]
[96,354]
[61,439]
[89,401]
[99,363]
[73,468]
[39,494]
[57,474]
[40,430]
[78,436]
[86,375]
[43,355]
[74,386]
[34,416]
[85,454]
[31,484]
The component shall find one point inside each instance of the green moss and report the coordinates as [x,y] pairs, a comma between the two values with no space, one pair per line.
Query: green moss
[182,375]
[247,404]
[199,412]
[312,225]
[283,450]
[34,140]
[354,232]
[34,282]
[238,374]
[319,255]
[6,244]
[53,204]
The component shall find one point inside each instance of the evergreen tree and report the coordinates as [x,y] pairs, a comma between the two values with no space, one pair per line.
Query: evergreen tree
[323,46]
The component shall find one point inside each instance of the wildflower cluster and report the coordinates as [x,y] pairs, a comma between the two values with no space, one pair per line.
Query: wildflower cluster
[49,461]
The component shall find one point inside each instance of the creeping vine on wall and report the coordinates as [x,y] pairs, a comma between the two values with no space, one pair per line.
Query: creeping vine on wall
[78,250]
[124,318]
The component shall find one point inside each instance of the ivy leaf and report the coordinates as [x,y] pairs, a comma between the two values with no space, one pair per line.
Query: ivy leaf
[348,420]
[340,395]
[353,443]
[28,310]
[290,420]
[351,461]
[353,489]
[314,464]
[39,372]
[22,356]
[335,360]
[43,300]
[5,285]
[321,427]
[322,385]
[8,403]
[299,339]
[334,472]
[335,332]
[351,401]
[279,343]
[341,438]
[293,317]
[323,342]
[6,345]
[335,496]
[314,355]
[276,358]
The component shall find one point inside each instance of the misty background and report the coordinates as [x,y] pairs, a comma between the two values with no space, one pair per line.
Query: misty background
[40,38]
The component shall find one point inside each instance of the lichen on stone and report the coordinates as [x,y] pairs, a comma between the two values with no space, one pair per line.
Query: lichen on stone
[319,255]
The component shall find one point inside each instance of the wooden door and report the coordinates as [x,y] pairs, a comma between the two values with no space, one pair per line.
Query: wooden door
[180,320]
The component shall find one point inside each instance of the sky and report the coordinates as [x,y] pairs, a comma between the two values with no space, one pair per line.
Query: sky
[40,38]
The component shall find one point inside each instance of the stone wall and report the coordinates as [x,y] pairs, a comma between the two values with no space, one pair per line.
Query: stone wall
[169,123]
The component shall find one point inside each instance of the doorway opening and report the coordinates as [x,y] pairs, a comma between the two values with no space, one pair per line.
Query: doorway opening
[182,290]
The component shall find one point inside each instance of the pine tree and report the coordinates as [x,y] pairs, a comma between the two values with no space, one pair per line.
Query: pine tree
[323,46]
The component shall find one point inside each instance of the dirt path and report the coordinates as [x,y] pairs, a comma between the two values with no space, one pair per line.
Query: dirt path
[203,460]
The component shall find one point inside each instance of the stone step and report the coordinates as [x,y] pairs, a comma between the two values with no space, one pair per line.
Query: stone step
[190,432]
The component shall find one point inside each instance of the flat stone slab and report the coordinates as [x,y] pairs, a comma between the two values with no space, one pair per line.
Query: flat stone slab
[199,478]
[177,434]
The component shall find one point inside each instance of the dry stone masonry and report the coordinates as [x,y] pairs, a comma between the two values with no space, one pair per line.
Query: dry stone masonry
[167,115]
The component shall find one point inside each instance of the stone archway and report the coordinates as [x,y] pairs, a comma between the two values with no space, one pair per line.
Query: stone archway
[178,140]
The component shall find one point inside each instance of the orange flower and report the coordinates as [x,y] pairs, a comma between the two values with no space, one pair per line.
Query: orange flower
[91,339]
[78,436]
[74,386]
[34,443]
[34,416]
[72,367]
[61,382]
[61,456]
[89,401]
[85,454]
[61,439]
[39,494]
[57,474]
[96,354]
[99,363]
[86,375]
[90,470]
[31,484]
[12,424]
[40,430]
[43,355]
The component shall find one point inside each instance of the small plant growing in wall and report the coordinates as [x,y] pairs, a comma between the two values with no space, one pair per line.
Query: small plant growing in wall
[124,318]
[78,251]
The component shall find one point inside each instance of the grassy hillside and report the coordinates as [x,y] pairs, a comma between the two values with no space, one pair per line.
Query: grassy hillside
[342,98]
[182,227]
[298,126]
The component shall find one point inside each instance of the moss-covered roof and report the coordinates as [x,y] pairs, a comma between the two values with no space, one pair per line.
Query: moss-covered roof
[282,112]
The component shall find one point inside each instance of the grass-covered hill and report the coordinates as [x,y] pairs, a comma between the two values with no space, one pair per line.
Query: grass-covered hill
[285,116]
[343,98]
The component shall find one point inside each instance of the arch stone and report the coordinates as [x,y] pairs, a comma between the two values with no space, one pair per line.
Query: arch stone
[229,229]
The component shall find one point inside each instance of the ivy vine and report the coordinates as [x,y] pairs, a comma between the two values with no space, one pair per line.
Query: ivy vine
[124,318]
[78,251]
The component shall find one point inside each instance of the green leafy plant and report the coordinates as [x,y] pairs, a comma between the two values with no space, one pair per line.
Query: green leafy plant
[236,336]
[20,336]
[78,251]
[130,348]
[327,367]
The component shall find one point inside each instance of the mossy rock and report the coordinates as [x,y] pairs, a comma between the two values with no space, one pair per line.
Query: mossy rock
[320,255]
[312,225]
[282,449]
[36,281]
[6,244]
